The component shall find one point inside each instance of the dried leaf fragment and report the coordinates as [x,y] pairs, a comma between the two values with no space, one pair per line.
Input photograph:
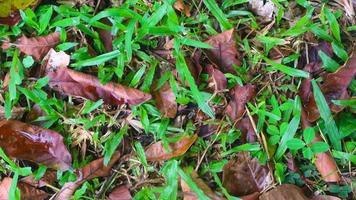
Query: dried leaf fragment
[33,143]
[182,7]
[166,101]
[217,80]
[224,54]
[28,192]
[157,151]
[240,95]
[37,47]
[121,192]
[284,192]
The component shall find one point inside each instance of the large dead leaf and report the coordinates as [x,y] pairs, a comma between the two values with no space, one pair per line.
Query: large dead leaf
[217,80]
[224,53]
[182,7]
[37,47]
[28,192]
[244,175]
[324,162]
[240,95]
[284,192]
[33,143]
[71,82]
[166,101]
[92,170]
[121,192]
[157,151]
[334,87]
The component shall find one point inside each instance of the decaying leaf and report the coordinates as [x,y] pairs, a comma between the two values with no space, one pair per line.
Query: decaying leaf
[247,131]
[33,143]
[264,9]
[71,82]
[37,47]
[334,87]
[121,192]
[28,192]
[311,56]
[325,197]
[16,113]
[92,170]
[324,162]
[48,178]
[189,195]
[182,7]
[240,95]
[244,175]
[217,80]
[224,54]
[157,151]
[105,35]
[284,192]
[166,101]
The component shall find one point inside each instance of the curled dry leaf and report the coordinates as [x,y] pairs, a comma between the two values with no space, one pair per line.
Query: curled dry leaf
[157,151]
[264,9]
[37,47]
[182,7]
[324,162]
[244,175]
[217,80]
[284,192]
[92,170]
[224,53]
[189,195]
[71,82]
[166,101]
[28,192]
[121,192]
[240,95]
[33,143]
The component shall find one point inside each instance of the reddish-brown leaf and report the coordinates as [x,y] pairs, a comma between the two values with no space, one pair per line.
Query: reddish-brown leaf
[189,195]
[71,82]
[48,178]
[224,54]
[284,192]
[166,101]
[121,192]
[105,35]
[325,197]
[37,47]
[16,113]
[247,131]
[11,20]
[157,151]
[33,143]
[28,192]
[92,170]
[244,175]
[240,95]
[311,56]
[217,80]
[182,7]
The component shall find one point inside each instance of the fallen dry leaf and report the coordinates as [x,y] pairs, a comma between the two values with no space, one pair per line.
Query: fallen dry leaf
[166,101]
[248,133]
[105,35]
[16,113]
[264,9]
[244,175]
[28,192]
[47,179]
[284,192]
[224,53]
[71,82]
[92,170]
[240,95]
[311,56]
[37,47]
[182,7]
[324,162]
[157,151]
[217,80]
[33,143]
[121,192]
[325,197]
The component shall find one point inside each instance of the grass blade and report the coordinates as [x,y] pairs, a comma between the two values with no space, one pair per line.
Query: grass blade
[96,60]
[287,70]
[218,14]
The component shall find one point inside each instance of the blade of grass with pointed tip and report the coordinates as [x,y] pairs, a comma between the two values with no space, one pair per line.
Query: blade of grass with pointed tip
[334,25]
[331,129]
[218,14]
[187,179]
[287,70]
[96,60]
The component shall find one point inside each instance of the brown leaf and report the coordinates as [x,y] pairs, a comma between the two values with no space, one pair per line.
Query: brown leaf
[253,196]
[37,47]
[105,35]
[16,113]
[311,56]
[48,178]
[325,197]
[217,80]
[9,10]
[157,151]
[334,87]
[27,191]
[92,170]
[182,7]
[247,131]
[166,101]
[33,143]
[10,20]
[121,192]
[284,192]
[224,54]
[71,82]
[189,195]
[244,175]
[207,130]
[240,95]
